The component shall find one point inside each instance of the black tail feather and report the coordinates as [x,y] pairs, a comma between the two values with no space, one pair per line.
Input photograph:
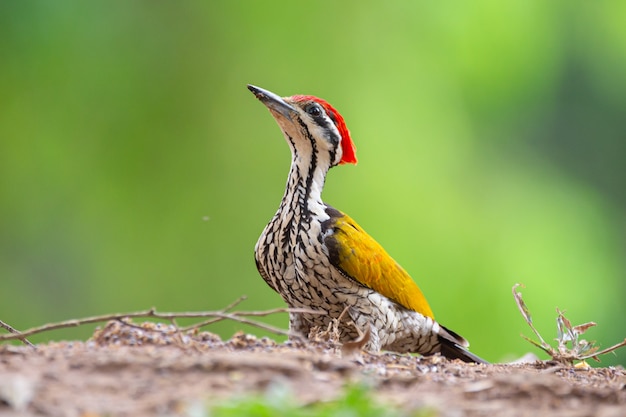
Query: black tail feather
[454,346]
[452,350]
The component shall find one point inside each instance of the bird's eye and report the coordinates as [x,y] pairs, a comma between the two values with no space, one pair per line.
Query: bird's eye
[314,110]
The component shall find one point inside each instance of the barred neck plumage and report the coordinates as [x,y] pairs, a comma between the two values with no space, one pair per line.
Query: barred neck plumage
[303,193]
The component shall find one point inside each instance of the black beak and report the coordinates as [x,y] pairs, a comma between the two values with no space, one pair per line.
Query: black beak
[272,101]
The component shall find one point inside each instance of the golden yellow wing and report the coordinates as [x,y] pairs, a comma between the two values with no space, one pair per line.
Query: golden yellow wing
[360,257]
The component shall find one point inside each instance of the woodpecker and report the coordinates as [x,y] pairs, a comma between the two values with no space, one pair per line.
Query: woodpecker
[319,258]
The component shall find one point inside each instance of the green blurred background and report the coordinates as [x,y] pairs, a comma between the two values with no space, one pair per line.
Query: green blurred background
[137,170]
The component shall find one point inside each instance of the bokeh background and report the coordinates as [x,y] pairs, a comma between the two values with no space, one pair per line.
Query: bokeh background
[136,169]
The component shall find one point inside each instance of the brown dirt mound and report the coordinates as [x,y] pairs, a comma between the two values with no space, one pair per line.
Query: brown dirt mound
[150,369]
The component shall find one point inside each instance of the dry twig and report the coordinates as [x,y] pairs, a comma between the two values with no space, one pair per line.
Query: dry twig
[224,314]
[17,334]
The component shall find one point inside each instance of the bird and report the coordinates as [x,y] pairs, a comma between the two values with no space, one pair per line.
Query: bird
[317,257]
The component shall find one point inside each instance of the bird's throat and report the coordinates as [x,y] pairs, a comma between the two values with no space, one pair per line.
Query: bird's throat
[303,194]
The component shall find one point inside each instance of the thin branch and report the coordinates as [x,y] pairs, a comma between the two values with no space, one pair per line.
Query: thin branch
[17,333]
[217,316]
[229,307]
[255,323]
[202,324]
[235,303]
[238,316]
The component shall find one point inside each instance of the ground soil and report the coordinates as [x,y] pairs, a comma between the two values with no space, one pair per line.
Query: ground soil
[151,369]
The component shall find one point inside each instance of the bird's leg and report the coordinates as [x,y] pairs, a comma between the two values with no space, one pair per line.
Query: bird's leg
[299,327]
